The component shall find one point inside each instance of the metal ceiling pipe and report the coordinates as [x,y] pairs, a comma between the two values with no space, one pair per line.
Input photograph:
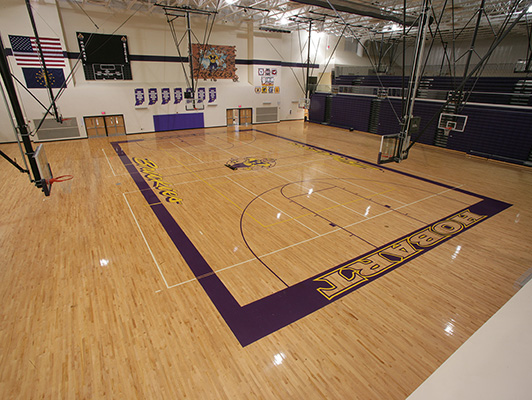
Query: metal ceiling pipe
[361,9]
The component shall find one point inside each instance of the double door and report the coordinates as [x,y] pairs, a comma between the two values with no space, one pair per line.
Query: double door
[239,116]
[105,125]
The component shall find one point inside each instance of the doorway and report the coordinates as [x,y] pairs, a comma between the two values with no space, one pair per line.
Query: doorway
[239,116]
[115,125]
[246,116]
[105,125]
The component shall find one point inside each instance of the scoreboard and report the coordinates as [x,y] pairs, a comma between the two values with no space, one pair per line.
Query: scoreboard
[104,57]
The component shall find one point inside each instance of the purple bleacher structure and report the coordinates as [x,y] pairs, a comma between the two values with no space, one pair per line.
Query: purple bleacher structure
[498,108]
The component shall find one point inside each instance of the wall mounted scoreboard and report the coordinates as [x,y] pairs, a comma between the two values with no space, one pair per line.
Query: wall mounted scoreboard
[104,57]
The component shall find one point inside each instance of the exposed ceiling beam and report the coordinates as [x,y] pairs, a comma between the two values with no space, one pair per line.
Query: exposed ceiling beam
[360,9]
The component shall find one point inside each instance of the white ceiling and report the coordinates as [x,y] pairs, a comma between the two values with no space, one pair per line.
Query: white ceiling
[458,17]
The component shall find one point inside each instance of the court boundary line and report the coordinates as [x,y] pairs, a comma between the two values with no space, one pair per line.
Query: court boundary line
[145,240]
[108,162]
[262,317]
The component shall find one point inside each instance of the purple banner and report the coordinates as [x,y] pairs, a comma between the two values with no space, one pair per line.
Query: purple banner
[178,95]
[152,96]
[212,94]
[165,95]
[201,94]
[189,95]
[139,96]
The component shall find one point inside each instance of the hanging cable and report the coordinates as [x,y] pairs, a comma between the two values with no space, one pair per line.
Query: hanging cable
[177,43]
[479,65]
[28,91]
[503,26]
[70,75]
[15,131]
[88,16]
[192,82]
[528,47]
[317,48]
[437,30]
[330,57]
[399,119]
[291,68]
[300,52]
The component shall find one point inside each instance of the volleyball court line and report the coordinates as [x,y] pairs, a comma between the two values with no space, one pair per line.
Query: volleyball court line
[262,256]
[277,208]
[286,247]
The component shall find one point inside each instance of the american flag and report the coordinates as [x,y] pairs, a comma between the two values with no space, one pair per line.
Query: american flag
[26,51]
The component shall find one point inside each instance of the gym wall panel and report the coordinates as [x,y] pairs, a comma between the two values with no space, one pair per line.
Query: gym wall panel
[389,115]
[171,122]
[351,112]
[429,114]
[494,132]
[316,113]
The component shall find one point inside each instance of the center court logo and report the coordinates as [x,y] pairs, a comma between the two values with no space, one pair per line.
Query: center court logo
[249,163]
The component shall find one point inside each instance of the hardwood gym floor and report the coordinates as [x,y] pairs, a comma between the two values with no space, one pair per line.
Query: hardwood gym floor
[268,262]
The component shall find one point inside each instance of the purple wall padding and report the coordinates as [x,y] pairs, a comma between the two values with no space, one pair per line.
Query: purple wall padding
[390,110]
[351,112]
[429,113]
[388,123]
[494,131]
[171,122]
[316,112]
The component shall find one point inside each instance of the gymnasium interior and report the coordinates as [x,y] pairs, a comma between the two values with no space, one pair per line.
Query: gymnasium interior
[266,199]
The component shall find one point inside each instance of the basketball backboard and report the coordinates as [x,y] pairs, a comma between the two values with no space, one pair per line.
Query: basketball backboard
[453,122]
[389,149]
[195,106]
[304,103]
[44,170]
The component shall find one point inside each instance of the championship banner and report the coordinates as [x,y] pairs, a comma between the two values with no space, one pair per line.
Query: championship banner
[212,94]
[201,94]
[152,95]
[178,95]
[139,96]
[165,95]
[214,62]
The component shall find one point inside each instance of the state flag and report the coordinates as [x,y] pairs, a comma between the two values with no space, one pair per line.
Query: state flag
[35,78]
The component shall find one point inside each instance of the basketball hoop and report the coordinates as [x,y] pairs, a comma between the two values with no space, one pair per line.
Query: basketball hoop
[304,103]
[447,130]
[61,178]
[197,106]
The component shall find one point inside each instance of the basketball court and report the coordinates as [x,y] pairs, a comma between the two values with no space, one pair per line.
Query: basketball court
[275,260]
[267,220]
